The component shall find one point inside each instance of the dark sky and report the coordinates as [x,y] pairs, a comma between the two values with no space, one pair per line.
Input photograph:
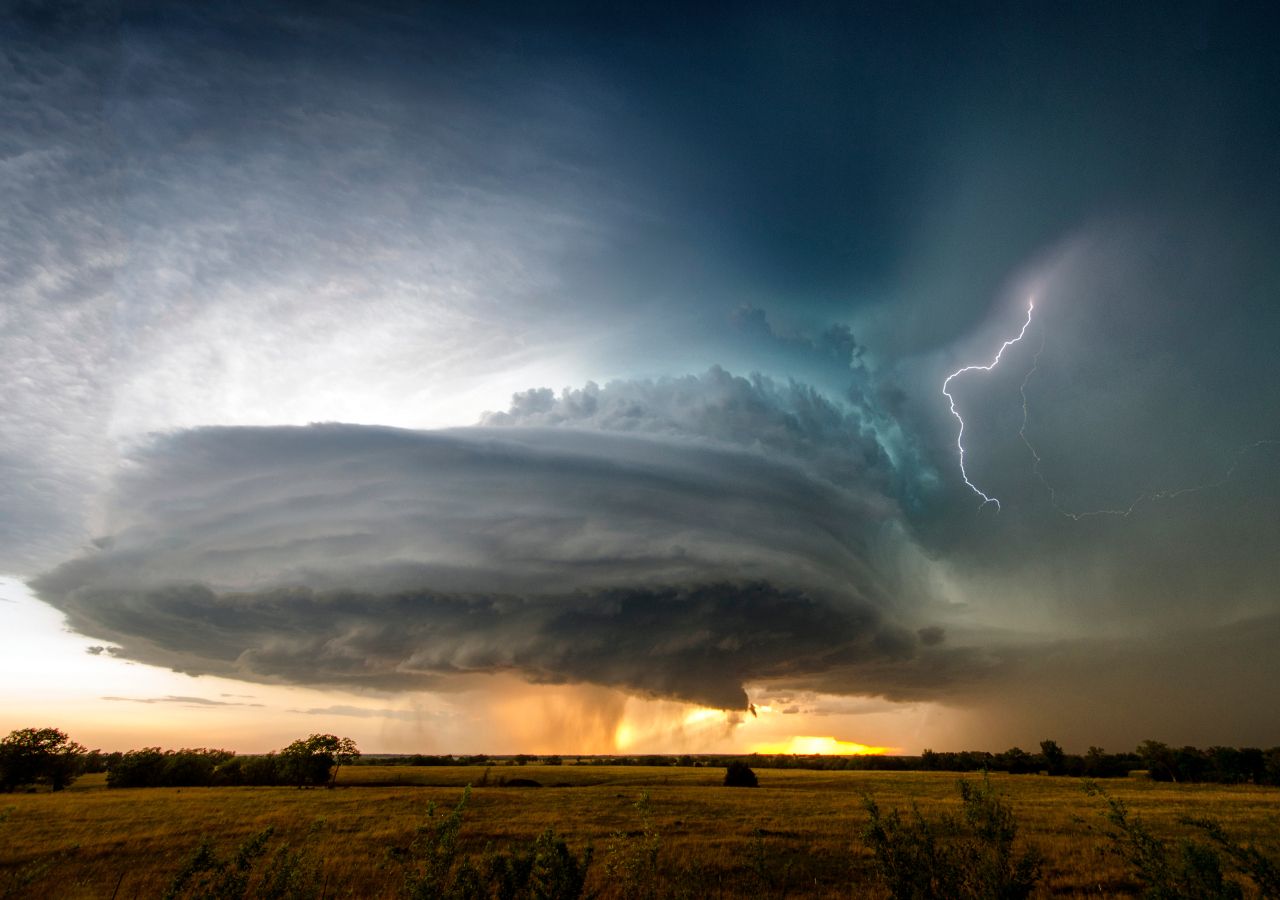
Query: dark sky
[635,322]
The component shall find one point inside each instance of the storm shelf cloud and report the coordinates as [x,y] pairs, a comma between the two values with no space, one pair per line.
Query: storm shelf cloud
[637,558]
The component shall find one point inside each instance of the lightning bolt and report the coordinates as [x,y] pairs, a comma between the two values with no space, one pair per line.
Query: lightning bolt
[1121,511]
[1237,456]
[1031,305]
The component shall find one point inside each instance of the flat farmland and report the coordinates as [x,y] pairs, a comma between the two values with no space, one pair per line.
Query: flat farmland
[796,835]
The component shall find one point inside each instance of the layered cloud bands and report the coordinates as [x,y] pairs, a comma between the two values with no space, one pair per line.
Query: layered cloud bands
[353,555]
[791,421]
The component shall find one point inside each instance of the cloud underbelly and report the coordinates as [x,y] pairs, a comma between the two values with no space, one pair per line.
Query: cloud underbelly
[354,555]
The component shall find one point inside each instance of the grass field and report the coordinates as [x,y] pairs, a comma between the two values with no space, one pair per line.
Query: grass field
[795,835]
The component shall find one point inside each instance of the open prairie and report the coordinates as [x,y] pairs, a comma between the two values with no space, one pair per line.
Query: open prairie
[798,834]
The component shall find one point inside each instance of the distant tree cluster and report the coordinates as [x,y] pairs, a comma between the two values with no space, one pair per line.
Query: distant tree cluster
[153,767]
[1051,760]
[192,767]
[308,762]
[1223,765]
[32,756]
[1097,763]
[421,759]
[1161,762]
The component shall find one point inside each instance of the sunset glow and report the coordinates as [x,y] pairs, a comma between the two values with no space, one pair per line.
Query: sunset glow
[805,745]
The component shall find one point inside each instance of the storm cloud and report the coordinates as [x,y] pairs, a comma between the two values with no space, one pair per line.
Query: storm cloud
[359,556]
[792,420]
[723,260]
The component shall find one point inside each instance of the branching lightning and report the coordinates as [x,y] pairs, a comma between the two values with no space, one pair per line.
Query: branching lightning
[1031,305]
[1145,496]
[1121,511]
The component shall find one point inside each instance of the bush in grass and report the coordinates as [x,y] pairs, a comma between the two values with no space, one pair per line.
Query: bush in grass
[631,858]
[1187,869]
[546,869]
[739,774]
[287,874]
[973,857]
[207,876]
[1249,861]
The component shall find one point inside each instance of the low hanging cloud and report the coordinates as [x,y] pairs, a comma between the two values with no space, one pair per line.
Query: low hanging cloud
[189,702]
[361,712]
[655,559]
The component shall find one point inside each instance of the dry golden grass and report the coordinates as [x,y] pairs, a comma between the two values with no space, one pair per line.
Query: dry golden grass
[800,827]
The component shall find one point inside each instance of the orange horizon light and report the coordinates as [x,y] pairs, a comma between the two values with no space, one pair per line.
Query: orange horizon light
[807,745]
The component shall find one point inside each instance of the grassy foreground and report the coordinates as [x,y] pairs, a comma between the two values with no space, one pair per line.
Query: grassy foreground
[798,834]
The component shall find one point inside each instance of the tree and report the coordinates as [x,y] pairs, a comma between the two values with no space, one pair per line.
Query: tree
[1159,759]
[137,768]
[315,760]
[1055,760]
[1015,760]
[38,755]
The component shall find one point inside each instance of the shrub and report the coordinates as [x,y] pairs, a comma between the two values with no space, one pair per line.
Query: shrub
[555,873]
[1264,871]
[739,774]
[435,851]
[287,875]
[772,871]
[290,875]
[544,870]
[1186,869]
[631,858]
[970,857]
[206,875]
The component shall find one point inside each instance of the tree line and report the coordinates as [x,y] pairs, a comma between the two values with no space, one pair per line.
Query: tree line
[1161,762]
[48,756]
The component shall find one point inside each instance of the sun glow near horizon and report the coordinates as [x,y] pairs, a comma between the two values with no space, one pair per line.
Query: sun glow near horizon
[808,745]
